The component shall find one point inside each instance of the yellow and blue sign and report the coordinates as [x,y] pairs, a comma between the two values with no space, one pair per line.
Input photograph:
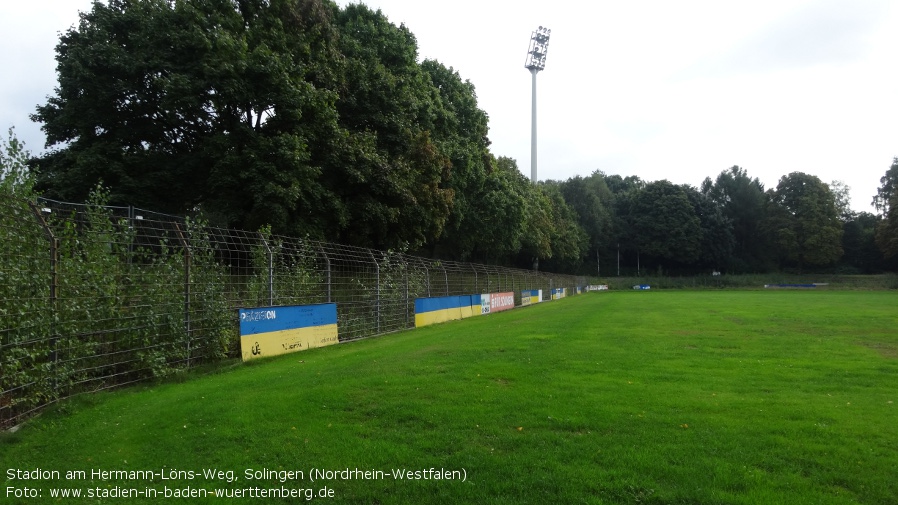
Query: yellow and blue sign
[270,331]
[530,297]
[559,293]
[446,308]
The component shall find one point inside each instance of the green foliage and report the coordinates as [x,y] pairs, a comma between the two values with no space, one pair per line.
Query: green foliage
[859,244]
[886,201]
[804,220]
[286,270]
[717,240]
[743,203]
[26,308]
[887,230]
[842,197]
[392,179]
[593,203]
[486,218]
[489,214]
[318,121]
[552,231]
[887,189]
[569,241]
[665,224]
[15,177]
[110,309]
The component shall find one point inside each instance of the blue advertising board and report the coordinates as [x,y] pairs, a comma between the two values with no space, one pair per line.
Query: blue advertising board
[269,331]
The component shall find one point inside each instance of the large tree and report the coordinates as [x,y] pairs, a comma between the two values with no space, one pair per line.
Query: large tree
[487,210]
[175,105]
[859,243]
[743,202]
[392,187]
[842,197]
[15,177]
[591,200]
[292,113]
[664,224]
[886,202]
[804,220]
[717,240]
[552,232]
[887,189]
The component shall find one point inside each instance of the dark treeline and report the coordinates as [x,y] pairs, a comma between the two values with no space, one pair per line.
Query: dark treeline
[319,121]
[731,224]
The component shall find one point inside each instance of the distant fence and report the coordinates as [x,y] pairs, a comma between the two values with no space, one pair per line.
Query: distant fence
[95,297]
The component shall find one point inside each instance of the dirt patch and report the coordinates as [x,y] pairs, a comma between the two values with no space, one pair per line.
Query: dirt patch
[886,350]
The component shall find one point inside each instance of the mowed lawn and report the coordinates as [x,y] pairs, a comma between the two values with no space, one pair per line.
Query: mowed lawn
[678,397]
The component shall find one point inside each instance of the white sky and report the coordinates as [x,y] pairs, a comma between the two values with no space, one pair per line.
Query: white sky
[658,89]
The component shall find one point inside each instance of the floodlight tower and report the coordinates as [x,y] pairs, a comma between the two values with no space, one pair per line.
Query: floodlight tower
[536,61]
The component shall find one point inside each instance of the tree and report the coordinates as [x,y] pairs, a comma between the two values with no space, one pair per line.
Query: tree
[887,189]
[886,202]
[842,195]
[291,113]
[395,188]
[569,241]
[15,177]
[887,231]
[859,244]
[591,200]
[804,220]
[190,104]
[664,223]
[743,202]
[483,220]
[717,240]
[497,222]
[536,244]
[552,231]
[619,185]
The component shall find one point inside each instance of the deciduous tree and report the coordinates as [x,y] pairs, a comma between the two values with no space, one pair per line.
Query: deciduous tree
[743,201]
[664,223]
[886,202]
[717,241]
[15,176]
[804,220]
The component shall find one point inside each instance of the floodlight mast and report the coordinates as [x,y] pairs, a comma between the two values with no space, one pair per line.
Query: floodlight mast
[536,61]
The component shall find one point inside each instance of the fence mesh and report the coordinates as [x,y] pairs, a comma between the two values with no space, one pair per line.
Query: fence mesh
[95,297]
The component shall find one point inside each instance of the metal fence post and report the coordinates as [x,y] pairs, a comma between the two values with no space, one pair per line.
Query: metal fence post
[407,300]
[54,289]
[446,275]
[270,270]
[377,300]
[186,245]
[327,262]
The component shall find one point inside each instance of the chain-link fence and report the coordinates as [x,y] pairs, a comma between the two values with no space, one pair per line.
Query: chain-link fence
[95,297]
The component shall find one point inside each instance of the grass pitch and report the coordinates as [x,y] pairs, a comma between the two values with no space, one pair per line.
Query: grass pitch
[707,397]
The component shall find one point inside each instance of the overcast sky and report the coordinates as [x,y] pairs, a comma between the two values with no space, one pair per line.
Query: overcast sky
[657,89]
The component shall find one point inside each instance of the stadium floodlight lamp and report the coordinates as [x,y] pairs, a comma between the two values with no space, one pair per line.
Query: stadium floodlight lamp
[539,46]
[536,61]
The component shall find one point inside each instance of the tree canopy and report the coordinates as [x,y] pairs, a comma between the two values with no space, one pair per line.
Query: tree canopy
[319,120]
[886,201]
[804,220]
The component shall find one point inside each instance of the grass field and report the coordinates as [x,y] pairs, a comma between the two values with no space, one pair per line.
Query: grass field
[686,397]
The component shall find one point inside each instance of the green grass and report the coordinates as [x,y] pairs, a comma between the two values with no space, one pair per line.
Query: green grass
[736,397]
